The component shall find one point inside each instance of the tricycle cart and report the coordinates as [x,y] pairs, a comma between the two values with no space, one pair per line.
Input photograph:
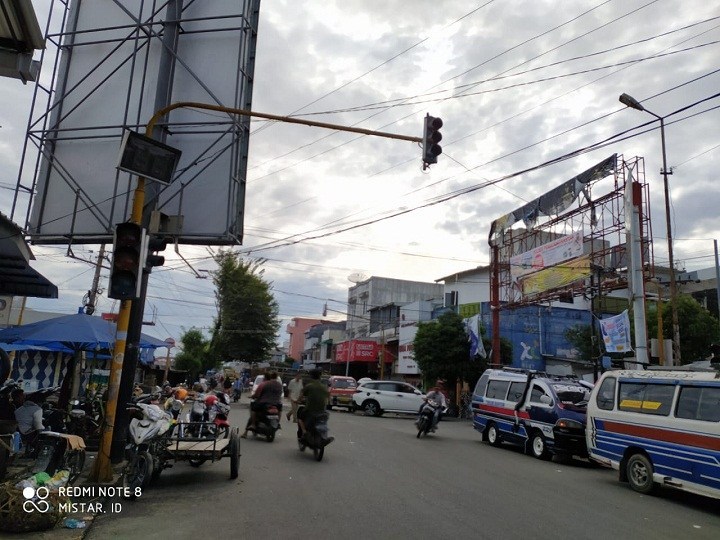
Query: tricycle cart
[198,450]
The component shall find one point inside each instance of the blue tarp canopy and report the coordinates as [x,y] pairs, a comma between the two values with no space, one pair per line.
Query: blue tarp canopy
[70,333]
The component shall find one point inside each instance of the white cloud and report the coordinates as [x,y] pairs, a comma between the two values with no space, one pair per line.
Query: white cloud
[307,49]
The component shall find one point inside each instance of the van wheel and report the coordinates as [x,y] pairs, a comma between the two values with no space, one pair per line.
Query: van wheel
[538,448]
[493,436]
[639,472]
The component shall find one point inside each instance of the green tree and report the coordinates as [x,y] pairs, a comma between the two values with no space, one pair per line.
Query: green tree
[247,321]
[698,327]
[442,351]
[580,337]
[194,354]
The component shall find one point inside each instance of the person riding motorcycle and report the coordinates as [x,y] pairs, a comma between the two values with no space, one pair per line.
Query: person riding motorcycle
[269,392]
[314,398]
[436,394]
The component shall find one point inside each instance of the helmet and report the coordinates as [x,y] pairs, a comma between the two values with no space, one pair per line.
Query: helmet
[181,393]
[210,400]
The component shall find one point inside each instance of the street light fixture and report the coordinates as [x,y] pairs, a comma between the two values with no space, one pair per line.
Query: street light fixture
[633,103]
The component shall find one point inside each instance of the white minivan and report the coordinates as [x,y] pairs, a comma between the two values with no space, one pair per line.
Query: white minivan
[658,428]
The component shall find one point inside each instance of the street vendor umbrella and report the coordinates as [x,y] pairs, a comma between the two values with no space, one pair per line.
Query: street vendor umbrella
[71,333]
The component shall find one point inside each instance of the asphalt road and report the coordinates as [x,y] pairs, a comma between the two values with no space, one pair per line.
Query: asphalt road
[378,481]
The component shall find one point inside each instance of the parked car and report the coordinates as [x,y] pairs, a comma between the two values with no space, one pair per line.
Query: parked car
[342,390]
[378,397]
[544,414]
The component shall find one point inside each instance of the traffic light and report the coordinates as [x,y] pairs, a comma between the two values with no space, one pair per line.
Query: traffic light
[153,245]
[431,137]
[126,268]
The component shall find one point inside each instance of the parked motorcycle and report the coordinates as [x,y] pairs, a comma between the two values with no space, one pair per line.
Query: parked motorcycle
[218,407]
[266,423]
[316,434]
[426,420]
[146,449]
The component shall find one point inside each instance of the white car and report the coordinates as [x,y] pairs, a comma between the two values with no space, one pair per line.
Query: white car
[378,397]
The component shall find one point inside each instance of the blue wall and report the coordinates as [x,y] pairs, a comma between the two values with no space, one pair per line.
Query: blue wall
[536,331]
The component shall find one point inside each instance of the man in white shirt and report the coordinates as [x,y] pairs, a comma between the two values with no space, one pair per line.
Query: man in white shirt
[295,387]
[28,414]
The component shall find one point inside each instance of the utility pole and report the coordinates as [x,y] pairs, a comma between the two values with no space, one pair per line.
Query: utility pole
[94,290]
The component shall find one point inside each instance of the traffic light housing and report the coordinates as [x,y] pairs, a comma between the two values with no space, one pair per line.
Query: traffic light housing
[431,137]
[127,262]
[153,245]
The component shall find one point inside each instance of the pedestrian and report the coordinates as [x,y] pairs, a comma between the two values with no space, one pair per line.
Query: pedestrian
[28,414]
[295,387]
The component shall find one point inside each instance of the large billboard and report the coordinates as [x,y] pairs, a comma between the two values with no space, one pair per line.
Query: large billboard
[119,63]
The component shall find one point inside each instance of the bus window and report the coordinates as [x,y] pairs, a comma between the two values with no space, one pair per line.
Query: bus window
[516,391]
[606,394]
[699,403]
[646,398]
[497,389]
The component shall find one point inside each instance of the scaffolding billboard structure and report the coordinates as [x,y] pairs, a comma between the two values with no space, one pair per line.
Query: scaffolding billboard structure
[571,241]
[115,64]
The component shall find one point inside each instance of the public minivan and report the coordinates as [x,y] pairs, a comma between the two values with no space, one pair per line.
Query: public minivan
[658,428]
[542,413]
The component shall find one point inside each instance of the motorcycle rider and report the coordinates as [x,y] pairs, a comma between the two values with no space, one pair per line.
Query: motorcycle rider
[269,392]
[436,394]
[314,396]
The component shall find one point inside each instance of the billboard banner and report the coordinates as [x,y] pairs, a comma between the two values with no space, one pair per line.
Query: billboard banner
[559,250]
[357,350]
[115,75]
[556,277]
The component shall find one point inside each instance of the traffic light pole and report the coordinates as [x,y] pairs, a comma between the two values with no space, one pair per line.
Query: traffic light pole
[102,470]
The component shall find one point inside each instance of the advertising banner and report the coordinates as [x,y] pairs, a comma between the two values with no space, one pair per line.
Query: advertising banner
[556,277]
[357,351]
[559,250]
[616,332]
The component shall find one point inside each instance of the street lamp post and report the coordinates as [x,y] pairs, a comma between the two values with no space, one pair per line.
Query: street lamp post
[631,102]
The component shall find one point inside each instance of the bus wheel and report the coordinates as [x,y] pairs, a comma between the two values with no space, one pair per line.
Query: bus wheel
[538,448]
[639,472]
[493,436]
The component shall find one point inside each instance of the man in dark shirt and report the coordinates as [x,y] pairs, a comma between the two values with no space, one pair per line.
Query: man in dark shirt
[315,397]
[269,392]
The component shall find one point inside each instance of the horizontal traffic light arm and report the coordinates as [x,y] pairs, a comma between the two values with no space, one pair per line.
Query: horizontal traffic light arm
[291,120]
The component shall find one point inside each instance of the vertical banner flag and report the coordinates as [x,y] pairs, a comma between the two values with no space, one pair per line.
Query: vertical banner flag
[616,332]
[472,327]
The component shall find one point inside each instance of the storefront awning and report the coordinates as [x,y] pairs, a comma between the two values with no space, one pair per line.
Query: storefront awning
[17,278]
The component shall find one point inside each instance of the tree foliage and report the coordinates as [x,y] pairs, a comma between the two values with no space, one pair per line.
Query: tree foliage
[194,355]
[247,321]
[698,327]
[581,338]
[442,351]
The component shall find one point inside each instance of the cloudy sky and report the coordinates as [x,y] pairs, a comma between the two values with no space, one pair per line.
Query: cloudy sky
[517,83]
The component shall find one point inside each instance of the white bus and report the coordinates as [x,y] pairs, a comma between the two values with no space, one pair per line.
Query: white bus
[658,428]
